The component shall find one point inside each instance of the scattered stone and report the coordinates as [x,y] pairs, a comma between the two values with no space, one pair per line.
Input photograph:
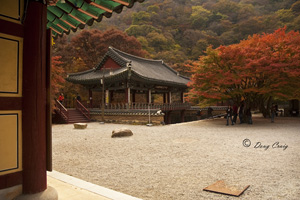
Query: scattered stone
[80,125]
[123,132]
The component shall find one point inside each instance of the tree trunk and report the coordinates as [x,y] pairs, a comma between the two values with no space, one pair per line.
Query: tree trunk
[266,110]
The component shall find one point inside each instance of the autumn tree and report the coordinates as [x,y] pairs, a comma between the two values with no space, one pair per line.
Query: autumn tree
[257,71]
[89,46]
[57,80]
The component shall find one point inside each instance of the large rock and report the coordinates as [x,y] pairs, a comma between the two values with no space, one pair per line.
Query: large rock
[80,125]
[123,132]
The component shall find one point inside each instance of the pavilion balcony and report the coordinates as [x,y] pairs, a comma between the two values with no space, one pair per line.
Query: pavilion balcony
[144,106]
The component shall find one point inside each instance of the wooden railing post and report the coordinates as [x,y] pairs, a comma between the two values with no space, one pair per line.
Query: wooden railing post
[63,112]
[83,110]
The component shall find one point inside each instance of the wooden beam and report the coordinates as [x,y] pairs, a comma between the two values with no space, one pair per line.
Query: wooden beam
[10,103]
[122,2]
[87,13]
[11,28]
[76,18]
[63,28]
[56,31]
[101,7]
[68,23]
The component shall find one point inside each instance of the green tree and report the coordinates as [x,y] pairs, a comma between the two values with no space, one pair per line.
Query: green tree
[140,30]
[296,7]
[199,16]
[141,17]
[228,8]
[285,15]
[160,41]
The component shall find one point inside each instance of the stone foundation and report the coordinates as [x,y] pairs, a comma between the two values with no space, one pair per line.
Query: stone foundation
[11,192]
[49,194]
[130,119]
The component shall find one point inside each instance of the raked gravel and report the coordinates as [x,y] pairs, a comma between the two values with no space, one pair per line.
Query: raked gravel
[177,161]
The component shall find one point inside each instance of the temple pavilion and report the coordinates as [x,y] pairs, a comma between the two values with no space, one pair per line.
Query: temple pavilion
[136,78]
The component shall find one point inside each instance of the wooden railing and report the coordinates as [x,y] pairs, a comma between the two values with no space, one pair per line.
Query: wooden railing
[83,110]
[143,106]
[62,111]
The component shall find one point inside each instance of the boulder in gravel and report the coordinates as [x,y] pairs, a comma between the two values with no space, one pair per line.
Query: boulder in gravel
[123,132]
[80,125]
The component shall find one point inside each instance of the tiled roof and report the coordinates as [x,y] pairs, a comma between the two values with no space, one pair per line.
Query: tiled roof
[137,68]
[66,15]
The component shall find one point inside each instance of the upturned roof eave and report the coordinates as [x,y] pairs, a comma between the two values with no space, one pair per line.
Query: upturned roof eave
[97,79]
[160,82]
[115,77]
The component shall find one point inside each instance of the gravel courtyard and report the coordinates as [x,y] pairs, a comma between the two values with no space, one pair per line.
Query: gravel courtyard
[175,162]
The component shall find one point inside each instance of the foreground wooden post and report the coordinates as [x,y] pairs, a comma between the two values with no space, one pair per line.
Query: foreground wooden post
[34,100]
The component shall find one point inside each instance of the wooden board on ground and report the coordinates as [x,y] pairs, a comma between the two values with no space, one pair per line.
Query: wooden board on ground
[222,188]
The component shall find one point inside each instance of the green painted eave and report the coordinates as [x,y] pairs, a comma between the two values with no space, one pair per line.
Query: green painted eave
[72,14]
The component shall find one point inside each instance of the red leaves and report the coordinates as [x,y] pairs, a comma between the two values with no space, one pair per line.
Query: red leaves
[267,64]
[57,79]
[91,45]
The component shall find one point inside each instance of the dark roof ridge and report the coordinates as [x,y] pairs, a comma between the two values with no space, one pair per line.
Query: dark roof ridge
[130,55]
[174,71]
[110,50]
[186,77]
[166,81]
[80,73]
[117,51]
[108,54]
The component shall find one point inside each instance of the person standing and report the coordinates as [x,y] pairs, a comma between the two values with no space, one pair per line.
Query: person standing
[241,113]
[273,112]
[235,113]
[78,98]
[249,115]
[61,98]
[229,115]
[209,112]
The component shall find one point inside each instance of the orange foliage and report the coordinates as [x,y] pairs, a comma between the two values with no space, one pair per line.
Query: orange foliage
[260,67]
[57,79]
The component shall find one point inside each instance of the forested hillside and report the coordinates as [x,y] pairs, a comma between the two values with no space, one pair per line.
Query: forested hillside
[180,30]
[176,31]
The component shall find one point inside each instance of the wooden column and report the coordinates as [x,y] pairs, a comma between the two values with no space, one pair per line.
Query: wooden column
[149,96]
[164,97]
[107,100]
[133,96]
[167,117]
[182,114]
[91,98]
[182,97]
[48,106]
[169,97]
[34,99]
[111,96]
[127,95]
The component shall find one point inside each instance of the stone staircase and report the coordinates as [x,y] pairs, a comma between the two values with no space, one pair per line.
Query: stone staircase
[76,116]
